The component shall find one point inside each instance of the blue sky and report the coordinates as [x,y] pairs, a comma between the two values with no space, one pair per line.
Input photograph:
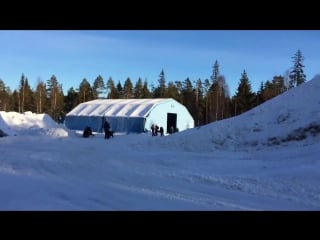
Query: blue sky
[74,55]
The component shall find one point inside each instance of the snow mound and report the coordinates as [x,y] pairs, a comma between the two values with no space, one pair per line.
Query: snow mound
[291,117]
[28,123]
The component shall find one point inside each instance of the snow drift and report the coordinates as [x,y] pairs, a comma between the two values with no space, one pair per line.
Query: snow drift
[28,123]
[290,117]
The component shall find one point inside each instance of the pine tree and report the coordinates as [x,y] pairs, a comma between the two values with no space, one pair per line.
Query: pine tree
[207,98]
[29,101]
[188,96]
[259,98]
[71,100]
[98,88]
[215,72]
[111,89]
[119,90]
[145,90]
[222,98]
[244,98]
[60,105]
[297,75]
[128,89]
[267,92]
[279,85]
[200,104]
[213,93]
[21,93]
[4,96]
[138,89]
[25,95]
[52,90]
[273,88]
[160,91]
[55,97]
[173,92]
[85,91]
[40,97]
[15,101]
[218,95]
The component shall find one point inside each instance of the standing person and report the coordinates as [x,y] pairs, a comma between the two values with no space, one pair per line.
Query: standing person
[161,131]
[152,129]
[106,128]
[156,130]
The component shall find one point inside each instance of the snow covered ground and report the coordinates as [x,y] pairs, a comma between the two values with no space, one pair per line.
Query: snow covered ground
[265,159]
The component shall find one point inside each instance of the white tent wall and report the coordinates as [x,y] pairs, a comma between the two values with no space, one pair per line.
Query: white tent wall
[159,115]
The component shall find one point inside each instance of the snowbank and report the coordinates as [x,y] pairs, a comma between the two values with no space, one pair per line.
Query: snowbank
[28,123]
[290,117]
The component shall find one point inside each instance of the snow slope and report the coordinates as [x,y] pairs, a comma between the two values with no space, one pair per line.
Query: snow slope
[291,116]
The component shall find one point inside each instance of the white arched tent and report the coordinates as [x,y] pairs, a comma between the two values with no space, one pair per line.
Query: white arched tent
[130,115]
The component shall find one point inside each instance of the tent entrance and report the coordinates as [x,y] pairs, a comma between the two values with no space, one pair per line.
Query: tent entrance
[171,122]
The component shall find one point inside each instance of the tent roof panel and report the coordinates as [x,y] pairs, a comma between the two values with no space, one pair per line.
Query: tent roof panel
[117,107]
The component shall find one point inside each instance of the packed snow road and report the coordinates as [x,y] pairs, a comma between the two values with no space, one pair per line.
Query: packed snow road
[135,172]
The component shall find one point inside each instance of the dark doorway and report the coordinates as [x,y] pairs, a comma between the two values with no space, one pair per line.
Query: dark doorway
[171,122]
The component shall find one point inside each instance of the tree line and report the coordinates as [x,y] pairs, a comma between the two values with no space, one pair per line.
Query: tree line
[207,100]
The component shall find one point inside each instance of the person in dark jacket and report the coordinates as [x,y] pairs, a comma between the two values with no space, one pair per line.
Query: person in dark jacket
[107,132]
[156,130]
[152,130]
[161,131]
[87,132]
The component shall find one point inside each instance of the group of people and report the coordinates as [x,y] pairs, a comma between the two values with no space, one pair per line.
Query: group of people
[108,133]
[155,130]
